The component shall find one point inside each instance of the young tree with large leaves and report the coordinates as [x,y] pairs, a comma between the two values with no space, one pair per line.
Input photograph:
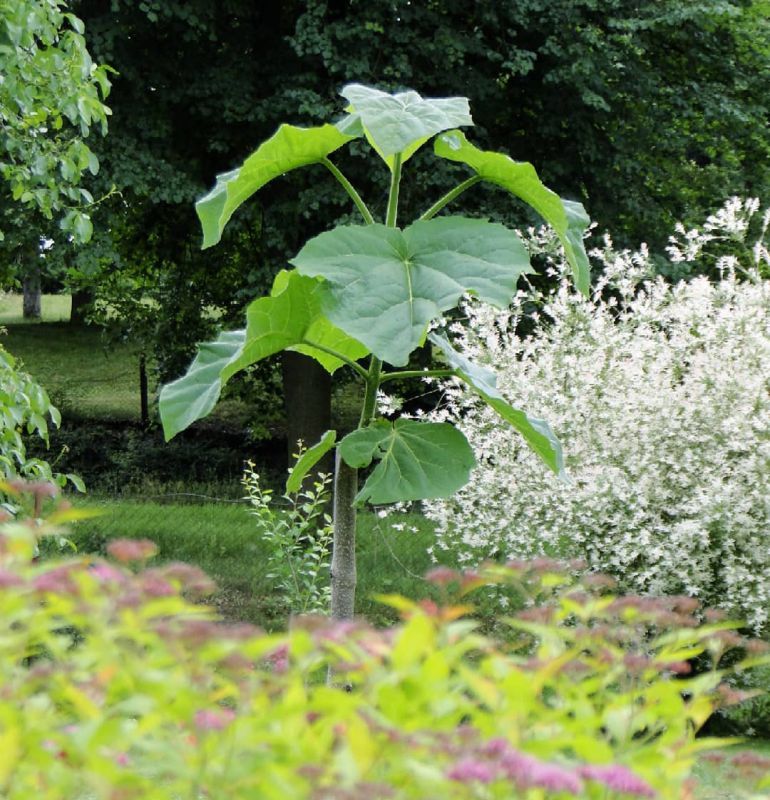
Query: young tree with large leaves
[375,291]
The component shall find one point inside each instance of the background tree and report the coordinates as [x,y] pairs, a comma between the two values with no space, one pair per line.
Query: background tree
[645,111]
[51,97]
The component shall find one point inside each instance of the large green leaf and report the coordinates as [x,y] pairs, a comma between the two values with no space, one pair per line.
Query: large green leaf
[195,394]
[536,432]
[403,122]
[417,460]
[386,285]
[289,319]
[289,148]
[568,218]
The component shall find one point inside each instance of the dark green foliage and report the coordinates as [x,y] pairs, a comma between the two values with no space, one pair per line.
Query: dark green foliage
[648,112]
[123,459]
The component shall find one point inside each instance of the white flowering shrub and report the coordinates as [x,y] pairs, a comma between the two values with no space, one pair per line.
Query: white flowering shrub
[660,395]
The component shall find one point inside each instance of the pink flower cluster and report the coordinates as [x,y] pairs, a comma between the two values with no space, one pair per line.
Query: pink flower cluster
[497,760]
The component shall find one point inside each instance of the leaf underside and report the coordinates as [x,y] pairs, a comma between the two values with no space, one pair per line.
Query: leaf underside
[568,218]
[536,432]
[195,394]
[290,147]
[384,285]
[417,460]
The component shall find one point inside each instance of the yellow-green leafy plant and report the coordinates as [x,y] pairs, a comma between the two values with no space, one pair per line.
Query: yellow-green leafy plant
[119,683]
[26,410]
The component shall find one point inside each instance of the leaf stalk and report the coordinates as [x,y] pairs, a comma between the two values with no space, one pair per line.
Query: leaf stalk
[395,183]
[351,190]
[451,195]
[360,371]
[416,373]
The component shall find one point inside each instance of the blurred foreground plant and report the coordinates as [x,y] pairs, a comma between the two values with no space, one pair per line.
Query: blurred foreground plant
[117,684]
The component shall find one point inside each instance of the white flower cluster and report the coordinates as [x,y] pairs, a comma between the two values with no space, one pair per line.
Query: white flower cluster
[660,395]
[727,229]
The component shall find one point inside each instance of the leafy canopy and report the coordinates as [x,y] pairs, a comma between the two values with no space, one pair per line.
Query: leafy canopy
[51,97]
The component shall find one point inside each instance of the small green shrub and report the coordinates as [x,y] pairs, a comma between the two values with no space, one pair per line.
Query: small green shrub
[26,410]
[298,538]
[117,684]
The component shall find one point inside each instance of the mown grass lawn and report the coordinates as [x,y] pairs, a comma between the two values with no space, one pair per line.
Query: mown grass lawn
[221,538]
[79,368]
[53,308]
[729,773]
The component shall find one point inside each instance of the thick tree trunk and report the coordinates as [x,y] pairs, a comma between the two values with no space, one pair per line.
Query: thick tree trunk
[31,289]
[80,300]
[307,396]
[343,571]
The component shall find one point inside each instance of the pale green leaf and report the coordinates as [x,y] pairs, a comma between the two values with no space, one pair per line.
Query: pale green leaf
[195,394]
[403,122]
[290,318]
[417,460]
[536,432]
[308,460]
[386,285]
[568,218]
[289,148]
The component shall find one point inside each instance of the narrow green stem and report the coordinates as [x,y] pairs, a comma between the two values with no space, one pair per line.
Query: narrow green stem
[449,196]
[395,183]
[351,190]
[349,361]
[416,373]
[370,398]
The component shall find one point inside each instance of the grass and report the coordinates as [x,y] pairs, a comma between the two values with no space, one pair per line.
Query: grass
[719,777]
[53,308]
[77,370]
[72,362]
[220,538]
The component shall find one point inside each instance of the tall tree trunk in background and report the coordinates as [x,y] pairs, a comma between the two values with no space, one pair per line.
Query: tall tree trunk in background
[307,397]
[31,287]
[80,300]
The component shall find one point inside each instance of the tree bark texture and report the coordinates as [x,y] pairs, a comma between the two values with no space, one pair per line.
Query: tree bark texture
[343,571]
[31,288]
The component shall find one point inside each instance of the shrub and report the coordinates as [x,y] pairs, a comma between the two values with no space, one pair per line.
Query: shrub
[661,396]
[25,410]
[116,685]
[298,537]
